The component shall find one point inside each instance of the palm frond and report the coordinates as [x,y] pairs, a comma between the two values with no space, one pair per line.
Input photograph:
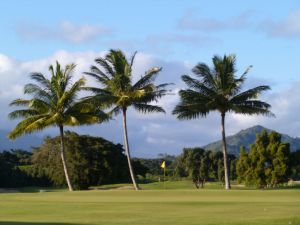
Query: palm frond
[69,96]
[20,102]
[22,113]
[193,105]
[105,65]
[252,107]
[252,93]
[40,78]
[99,78]
[132,59]
[204,72]
[29,125]
[190,111]
[147,79]
[198,85]
[147,108]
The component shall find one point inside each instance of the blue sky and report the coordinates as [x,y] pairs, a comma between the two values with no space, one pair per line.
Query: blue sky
[173,34]
[153,27]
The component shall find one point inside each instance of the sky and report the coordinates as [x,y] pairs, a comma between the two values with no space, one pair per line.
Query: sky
[171,34]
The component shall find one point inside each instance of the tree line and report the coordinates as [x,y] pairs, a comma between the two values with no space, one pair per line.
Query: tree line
[94,161]
[268,163]
[54,100]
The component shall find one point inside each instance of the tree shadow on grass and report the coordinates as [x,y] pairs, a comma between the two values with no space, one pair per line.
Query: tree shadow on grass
[33,223]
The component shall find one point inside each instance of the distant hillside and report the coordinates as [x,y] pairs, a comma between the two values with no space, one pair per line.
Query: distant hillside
[247,137]
[25,142]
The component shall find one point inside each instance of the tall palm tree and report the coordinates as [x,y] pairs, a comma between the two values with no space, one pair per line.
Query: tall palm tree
[54,103]
[219,89]
[117,91]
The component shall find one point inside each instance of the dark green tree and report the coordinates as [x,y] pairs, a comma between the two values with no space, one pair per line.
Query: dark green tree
[196,164]
[204,167]
[221,176]
[242,165]
[219,89]
[268,162]
[92,161]
[295,165]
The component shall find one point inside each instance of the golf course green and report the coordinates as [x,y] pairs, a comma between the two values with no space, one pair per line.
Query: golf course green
[151,207]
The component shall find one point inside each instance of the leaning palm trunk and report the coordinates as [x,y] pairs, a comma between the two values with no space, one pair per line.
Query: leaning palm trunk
[226,177]
[63,158]
[136,187]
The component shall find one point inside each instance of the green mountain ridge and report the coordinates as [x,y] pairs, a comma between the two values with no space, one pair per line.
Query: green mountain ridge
[246,138]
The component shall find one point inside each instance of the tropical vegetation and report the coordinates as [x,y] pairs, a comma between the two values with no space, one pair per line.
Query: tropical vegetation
[118,92]
[54,102]
[267,164]
[82,161]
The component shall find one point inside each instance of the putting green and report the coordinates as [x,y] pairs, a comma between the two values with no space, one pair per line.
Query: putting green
[152,207]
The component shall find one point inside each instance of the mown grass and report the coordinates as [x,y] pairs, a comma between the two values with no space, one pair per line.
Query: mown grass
[178,204]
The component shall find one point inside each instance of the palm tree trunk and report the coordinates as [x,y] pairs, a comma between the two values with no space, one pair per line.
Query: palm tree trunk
[63,158]
[227,181]
[135,185]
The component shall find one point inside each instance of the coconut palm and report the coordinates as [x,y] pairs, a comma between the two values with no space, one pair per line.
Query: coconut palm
[117,92]
[219,89]
[54,103]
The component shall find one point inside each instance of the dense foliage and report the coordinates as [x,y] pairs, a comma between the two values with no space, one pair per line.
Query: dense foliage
[268,162]
[202,166]
[95,161]
[15,170]
[91,160]
[295,165]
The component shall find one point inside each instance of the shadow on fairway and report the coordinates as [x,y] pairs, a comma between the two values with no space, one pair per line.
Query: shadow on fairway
[34,223]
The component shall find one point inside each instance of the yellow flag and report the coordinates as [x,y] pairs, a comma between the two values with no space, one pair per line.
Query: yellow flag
[163,165]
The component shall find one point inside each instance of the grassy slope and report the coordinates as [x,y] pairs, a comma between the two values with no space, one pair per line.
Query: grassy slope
[172,207]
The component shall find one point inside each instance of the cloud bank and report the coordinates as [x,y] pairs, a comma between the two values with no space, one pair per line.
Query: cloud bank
[191,21]
[288,27]
[153,133]
[64,31]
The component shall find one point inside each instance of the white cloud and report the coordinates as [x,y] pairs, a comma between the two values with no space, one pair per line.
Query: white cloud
[65,31]
[191,20]
[194,40]
[287,27]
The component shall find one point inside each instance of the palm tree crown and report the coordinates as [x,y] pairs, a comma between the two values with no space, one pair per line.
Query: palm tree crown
[116,88]
[219,88]
[53,103]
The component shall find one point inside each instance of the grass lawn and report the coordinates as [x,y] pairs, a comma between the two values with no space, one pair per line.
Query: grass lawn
[182,206]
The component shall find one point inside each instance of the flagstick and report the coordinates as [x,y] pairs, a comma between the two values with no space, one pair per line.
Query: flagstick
[164,178]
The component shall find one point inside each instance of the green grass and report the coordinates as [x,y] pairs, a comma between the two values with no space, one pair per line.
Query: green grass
[183,205]
[184,185]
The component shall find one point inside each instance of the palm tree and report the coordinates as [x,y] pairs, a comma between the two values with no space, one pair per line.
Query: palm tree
[219,89]
[54,103]
[117,92]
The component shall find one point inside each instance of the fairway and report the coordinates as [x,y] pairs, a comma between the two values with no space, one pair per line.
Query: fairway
[151,207]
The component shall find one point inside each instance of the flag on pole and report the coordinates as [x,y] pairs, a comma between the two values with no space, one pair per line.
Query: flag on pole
[163,165]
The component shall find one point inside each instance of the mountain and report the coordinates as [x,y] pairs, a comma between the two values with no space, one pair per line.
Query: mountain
[24,142]
[247,137]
